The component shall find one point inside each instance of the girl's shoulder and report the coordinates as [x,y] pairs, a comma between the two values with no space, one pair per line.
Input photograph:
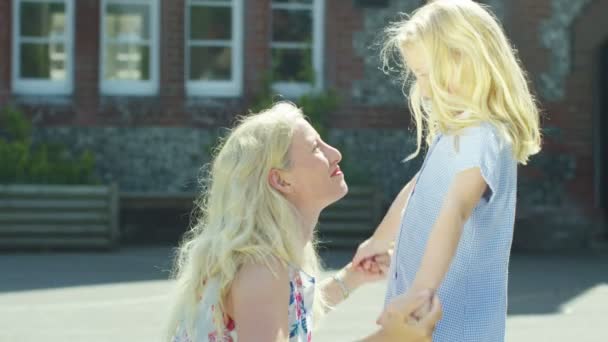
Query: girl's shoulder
[481,129]
[481,143]
[481,135]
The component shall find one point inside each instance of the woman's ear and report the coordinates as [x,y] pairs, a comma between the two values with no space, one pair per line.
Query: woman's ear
[277,181]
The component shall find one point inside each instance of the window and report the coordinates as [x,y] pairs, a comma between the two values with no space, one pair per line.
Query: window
[129,47]
[297,46]
[42,46]
[214,43]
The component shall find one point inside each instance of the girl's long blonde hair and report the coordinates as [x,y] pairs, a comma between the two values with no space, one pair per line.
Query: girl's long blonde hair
[468,49]
[242,218]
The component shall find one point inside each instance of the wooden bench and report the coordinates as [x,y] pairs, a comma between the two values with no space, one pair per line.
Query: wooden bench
[351,220]
[35,216]
[134,200]
[344,224]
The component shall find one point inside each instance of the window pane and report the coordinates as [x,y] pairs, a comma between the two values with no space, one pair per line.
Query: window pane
[291,26]
[42,19]
[210,63]
[211,23]
[127,21]
[293,65]
[127,62]
[43,61]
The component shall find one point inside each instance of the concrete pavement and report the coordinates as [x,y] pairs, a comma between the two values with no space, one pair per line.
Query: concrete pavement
[121,296]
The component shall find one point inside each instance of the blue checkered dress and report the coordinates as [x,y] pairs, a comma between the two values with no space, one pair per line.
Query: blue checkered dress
[474,291]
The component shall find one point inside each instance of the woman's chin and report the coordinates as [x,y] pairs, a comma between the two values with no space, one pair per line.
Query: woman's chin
[342,192]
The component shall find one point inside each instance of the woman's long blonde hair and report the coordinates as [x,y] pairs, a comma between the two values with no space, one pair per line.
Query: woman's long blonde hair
[467,48]
[242,218]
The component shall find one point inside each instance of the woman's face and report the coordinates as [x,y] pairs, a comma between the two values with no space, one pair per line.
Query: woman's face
[314,177]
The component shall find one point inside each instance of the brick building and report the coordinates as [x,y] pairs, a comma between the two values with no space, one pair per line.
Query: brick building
[146,83]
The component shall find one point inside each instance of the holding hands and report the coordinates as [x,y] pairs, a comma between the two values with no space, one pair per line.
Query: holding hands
[400,322]
[411,314]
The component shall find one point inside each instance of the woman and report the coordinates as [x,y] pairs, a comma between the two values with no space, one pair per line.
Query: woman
[247,268]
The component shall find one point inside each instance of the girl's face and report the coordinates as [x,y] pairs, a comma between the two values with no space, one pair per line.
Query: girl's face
[314,177]
[417,60]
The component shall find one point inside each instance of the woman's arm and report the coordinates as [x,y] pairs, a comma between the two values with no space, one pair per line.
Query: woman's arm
[259,300]
[352,278]
[465,192]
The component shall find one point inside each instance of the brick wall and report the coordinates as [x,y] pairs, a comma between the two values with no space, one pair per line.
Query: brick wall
[86,107]
[575,112]
[172,70]
[344,66]
[257,38]
[5,47]
[86,62]
[589,32]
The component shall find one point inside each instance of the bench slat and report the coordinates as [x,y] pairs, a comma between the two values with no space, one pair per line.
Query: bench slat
[53,217]
[53,229]
[65,204]
[346,215]
[18,190]
[345,228]
[80,242]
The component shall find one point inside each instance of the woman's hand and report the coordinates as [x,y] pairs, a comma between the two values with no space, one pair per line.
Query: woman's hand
[368,250]
[378,268]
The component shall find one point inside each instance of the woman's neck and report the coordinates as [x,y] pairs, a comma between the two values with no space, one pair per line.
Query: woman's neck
[308,219]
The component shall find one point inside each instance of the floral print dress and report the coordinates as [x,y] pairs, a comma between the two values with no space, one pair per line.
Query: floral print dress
[301,295]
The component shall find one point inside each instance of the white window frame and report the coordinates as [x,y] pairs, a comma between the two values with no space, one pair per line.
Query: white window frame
[132,87]
[296,89]
[217,88]
[33,86]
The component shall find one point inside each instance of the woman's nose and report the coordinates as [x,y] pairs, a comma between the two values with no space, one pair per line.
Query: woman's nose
[335,155]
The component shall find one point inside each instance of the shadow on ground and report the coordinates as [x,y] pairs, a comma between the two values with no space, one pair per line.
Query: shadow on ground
[23,271]
[539,284]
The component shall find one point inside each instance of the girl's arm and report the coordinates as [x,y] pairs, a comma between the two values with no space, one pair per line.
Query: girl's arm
[258,302]
[465,192]
[386,231]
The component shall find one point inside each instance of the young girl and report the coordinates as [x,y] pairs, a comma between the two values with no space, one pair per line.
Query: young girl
[248,266]
[471,101]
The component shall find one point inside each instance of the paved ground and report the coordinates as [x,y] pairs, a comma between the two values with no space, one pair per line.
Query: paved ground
[120,296]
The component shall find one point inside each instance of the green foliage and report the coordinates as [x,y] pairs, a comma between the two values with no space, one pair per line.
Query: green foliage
[355,173]
[265,96]
[305,71]
[317,106]
[22,161]
[17,126]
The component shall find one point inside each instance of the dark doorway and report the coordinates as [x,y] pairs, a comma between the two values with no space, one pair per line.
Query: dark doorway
[602,133]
